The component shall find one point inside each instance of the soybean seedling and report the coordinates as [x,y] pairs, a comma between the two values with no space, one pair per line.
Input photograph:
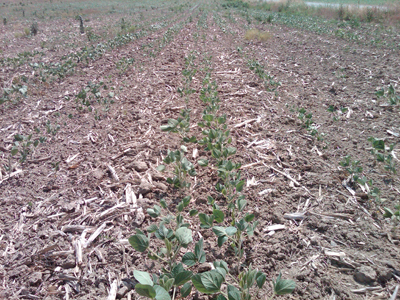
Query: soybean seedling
[383,153]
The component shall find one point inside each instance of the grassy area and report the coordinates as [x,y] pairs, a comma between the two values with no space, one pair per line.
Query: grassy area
[362,2]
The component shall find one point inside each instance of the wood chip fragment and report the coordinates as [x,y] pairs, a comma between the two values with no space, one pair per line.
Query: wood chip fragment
[112,295]
[333,253]
[275,227]
[294,216]
[366,289]
[113,173]
[94,235]
[394,295]
[19,171]
[248,122]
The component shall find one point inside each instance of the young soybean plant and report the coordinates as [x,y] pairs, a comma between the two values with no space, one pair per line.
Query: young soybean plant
[182,168]
[175,235]
[383,153]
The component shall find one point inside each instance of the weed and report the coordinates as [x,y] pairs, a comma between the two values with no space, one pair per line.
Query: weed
[81,27]
[34,29]
[255,34]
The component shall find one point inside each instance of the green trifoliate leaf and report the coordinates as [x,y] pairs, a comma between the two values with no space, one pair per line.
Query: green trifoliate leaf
[208,282]
[161,168]
[219,231]
[184,236]
[230,230]
[139,242]
[145,290]
[193,212]
[161,293]
[249,217]
[189,259]
[182,278]
[199,252]
[143,277]
[260,279]
[283,286]
[221,240]
[167,283]
[233,293]
[239,186]
[203,162]
[151,228]
[186,289]
[218,215]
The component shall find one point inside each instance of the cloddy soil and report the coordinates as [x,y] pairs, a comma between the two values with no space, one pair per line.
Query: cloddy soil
[338,247]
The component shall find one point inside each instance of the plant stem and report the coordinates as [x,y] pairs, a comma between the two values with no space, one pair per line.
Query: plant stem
[159,257]
[173,295]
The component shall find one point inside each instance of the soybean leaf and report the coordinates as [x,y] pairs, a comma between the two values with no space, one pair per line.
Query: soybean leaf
[221,271]
[189,259]
[203,162]
[249,217]
[230,230]
[221,264]
[143,277]
[184,236]
[161,168]
[221,240]
[145,290]
[177,269]
[233,293]
[239,186]
[193,212]
[161,293]
[139,242]
[220,297]
[283,286]
[219,215]
[151,228]
[182,278]
[186,289]
[199,252]
[241,204]
[208,282]
[219,231]
[260,279]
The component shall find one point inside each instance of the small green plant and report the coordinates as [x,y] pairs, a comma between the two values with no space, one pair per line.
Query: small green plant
[124,63]
[383,153]
[307,121]
[390,95]
[352,166]
[16,90]
[24,145]
[52,129]
[182,167]
[269,81]
[337,113]
[394,215]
